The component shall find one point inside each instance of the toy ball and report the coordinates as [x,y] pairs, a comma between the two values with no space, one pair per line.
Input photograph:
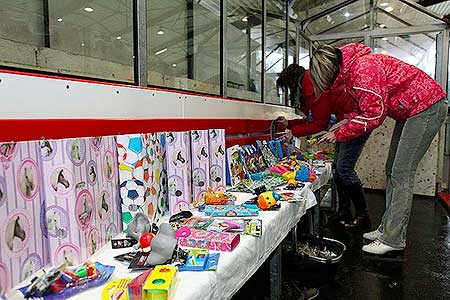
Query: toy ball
[267,200]
[146,241]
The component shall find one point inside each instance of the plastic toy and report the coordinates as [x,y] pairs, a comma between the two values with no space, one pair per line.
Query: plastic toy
[215,241]
[246,210]
[41,285]
[200,260]
[136,285]
[139,226]
[292,184]
[214,198]
[163,245]
[145,241]
[268,200]
[158,285]
[183,232]
[116,289]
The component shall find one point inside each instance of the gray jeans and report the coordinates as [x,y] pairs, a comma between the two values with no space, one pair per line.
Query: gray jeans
[410,141]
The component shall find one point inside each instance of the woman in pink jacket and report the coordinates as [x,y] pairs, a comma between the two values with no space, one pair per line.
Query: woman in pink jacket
[383,86]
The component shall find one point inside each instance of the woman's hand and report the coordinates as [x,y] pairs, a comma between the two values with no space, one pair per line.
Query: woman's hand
[338,125]
[288,135]
[329,137]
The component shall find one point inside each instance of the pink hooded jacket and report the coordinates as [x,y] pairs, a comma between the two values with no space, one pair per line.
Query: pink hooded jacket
[382,86]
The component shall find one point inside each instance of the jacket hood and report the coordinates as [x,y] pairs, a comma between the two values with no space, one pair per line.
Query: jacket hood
[350,53]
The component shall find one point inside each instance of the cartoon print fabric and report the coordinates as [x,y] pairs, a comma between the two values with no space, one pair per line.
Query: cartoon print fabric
[80,187]
[142,175]
[58,202]
[23,247]
[200,163]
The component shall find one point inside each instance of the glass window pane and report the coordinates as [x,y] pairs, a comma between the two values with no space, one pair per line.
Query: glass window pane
[418,50]
[243,42]
[183,45]
[93,40]
[275,50]
[405,14]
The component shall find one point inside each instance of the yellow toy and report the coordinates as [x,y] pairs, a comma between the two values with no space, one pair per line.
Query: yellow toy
[117,289]
[158,285]
[267,200]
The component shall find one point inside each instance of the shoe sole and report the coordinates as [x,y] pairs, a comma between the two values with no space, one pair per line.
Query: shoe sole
[314,297]
[391,256]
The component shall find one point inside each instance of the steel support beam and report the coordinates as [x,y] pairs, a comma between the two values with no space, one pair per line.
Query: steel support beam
[263,50]
[46,17]
[442,63]
[297,45]
[426,11]
[275,274]
[223,50]
[325,12]
[368,40]
[190,38]
[379,32]
[286,45]
[140,42]
[249,55]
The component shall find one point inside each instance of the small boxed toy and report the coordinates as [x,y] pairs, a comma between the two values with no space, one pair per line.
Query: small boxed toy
[178,157]
[136,285]
[200,260]
[247,210]
[215,241]
[236,165]
[160,283]
[200,163]
[217,159]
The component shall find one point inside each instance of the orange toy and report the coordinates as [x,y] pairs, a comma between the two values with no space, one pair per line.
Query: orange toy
[214,198]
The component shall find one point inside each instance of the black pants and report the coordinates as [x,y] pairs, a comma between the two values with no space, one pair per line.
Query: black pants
[346,178]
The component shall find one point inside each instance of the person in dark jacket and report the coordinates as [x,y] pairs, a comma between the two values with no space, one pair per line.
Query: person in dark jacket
[318,111]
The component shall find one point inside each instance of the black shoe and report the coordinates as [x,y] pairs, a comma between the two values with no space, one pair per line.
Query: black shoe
[342,216]
[361,221]
[309,293]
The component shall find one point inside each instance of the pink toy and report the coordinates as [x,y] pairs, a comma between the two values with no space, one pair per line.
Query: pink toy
[183,232]
[215,241]
[279,169]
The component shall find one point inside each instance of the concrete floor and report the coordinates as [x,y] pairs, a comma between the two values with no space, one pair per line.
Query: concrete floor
[424,275]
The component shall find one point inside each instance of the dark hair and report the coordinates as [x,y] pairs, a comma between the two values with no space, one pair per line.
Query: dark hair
[289,78]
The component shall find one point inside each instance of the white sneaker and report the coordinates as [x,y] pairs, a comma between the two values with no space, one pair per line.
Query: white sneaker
[378,248]
[372,236]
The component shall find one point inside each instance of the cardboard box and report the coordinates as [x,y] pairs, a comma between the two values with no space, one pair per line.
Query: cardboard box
[200,157]
[215,241]
[160,283]
[217,162]
[178,158]
[248,210]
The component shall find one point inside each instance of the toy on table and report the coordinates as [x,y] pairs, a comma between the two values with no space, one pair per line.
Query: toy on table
[159,284]
[215,241]
[135,286]
[200,260]
[123,243]
[268,200]
[116,289]
[163,245]
[246,210]
[145,241]
[62,283]
[177,220]
[292,184]
[138,226]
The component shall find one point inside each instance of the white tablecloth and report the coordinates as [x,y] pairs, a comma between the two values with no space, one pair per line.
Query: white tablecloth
[234,268]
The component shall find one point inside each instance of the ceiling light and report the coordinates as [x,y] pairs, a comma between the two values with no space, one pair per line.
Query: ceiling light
[245,19]
[88,9]
[160,51]
[59,20]
[383,52]
[384,39]
[389,9]
[384,4]
[347,15]
[160,32]
[83,44]
[118,38]
[382,25]
[174,65]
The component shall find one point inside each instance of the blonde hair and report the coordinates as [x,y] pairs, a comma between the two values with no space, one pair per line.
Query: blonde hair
[324,67]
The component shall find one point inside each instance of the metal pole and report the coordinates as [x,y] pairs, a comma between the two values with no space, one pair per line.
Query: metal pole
[297,44]
[286,45]
[426,11]
[249,54]
[190,38]
[223,50]
[140,42]
[369,40]
[263,51]
[275,274]
[45,14]
[442,60]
